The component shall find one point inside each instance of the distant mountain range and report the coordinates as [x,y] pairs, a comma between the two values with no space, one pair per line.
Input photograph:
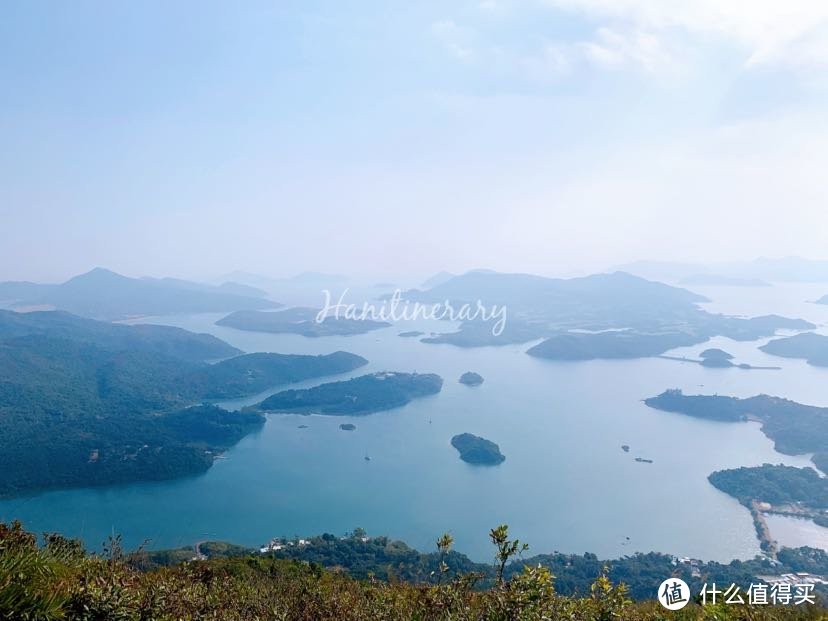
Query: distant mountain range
[103,294]
[786,269]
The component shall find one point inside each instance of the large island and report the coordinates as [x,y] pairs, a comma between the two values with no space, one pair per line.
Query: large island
[808,346]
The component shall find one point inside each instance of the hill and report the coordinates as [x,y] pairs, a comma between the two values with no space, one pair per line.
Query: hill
[102,294]
[104,404]
[166,340]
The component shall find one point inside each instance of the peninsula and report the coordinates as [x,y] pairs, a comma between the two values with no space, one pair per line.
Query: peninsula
[298,320]
[808,346]
[361,395]
[115,401]
[795,428]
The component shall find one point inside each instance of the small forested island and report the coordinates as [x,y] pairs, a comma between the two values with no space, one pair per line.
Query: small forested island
[795,428]
[775,485]
[716,358]
[411,334]
[298,320]
[361,395]
[114,401]
[809,346]
[347,427]
[476,450]
[470,378]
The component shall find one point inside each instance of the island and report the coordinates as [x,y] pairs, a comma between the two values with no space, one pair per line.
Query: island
[716,358]
[808,346]
[476,450]
[470,378]
[615,315]
[410,334]
[795,428]
[347,427]
[298,320]
[361,395]
[121,404]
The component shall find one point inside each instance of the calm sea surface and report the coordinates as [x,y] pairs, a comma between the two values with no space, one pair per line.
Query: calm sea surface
[565,485]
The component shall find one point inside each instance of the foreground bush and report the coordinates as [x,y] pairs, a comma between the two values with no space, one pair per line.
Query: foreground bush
[57,580]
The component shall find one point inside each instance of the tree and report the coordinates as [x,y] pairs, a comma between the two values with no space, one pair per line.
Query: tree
[506,549]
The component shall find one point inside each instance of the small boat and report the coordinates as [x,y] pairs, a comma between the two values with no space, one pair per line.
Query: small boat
[367,458]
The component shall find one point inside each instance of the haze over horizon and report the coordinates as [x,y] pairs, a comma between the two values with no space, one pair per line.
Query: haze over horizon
[383,141]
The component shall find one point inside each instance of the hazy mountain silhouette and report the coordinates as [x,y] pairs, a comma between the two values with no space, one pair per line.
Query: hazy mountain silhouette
[103,294]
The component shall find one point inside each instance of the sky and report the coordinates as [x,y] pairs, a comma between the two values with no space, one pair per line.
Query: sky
[383,138]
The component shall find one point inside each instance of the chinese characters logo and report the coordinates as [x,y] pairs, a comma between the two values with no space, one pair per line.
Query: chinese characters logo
[673,594]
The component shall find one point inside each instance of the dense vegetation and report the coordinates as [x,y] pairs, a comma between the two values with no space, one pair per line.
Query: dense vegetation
[253,373]
[90,403]
[776,485]
[167,340]
[476,450]
[795,428]
[810,346]
[361,395]
[58,580]
[385,559]
[298,320]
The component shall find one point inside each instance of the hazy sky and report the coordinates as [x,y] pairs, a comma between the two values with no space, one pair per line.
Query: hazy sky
[383,137]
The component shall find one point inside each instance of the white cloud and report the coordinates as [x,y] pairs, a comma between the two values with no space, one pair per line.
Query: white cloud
[771,32]
[454,38]
[614,48]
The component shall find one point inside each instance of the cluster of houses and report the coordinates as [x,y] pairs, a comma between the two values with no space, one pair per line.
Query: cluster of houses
[280,544]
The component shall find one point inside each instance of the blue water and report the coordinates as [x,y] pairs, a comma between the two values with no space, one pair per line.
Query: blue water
[565,485]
